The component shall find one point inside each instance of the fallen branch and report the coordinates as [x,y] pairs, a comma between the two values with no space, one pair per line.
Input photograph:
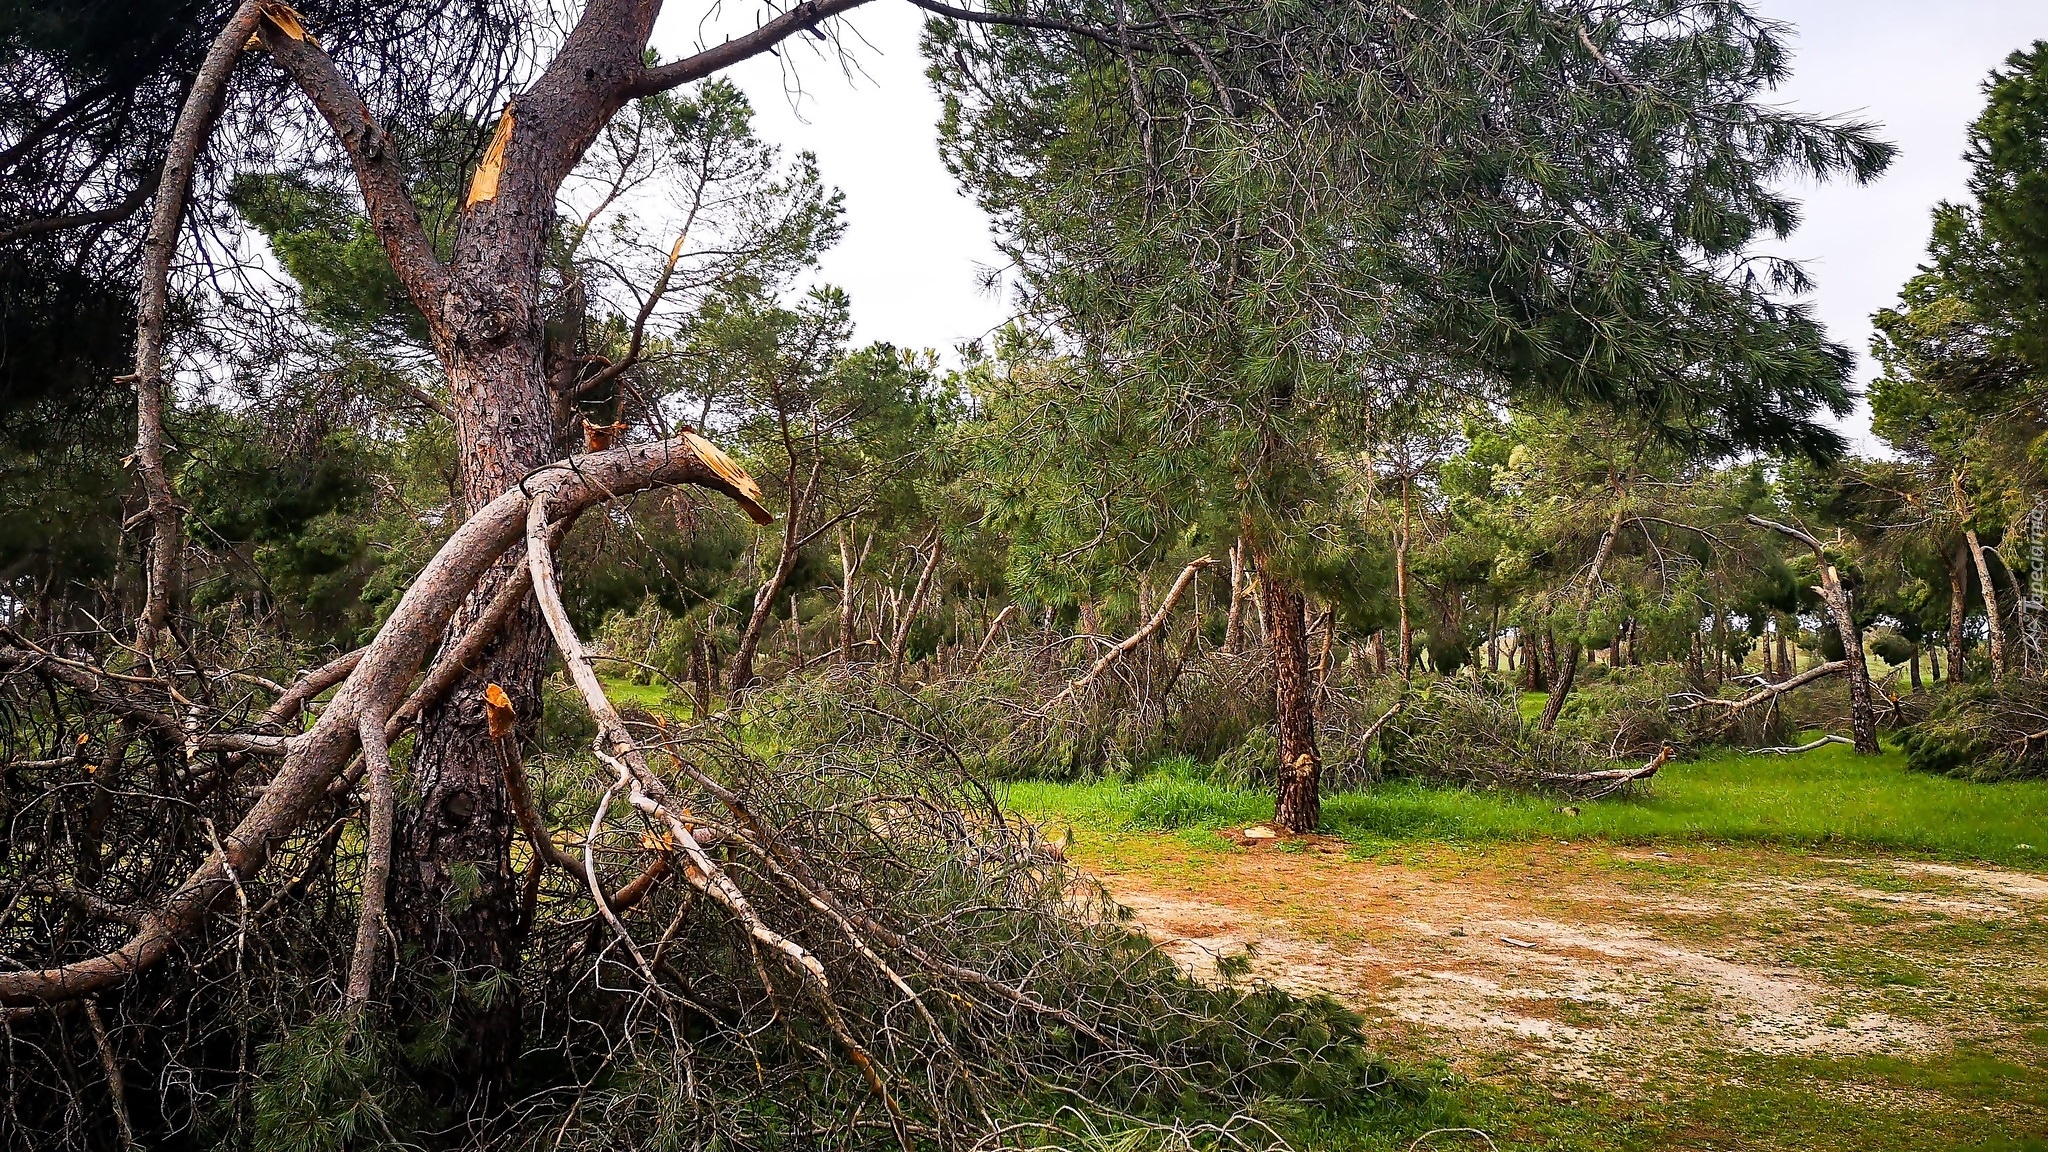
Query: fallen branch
[362,965]
[648,793]
[1611,779]
[1158,621]
[989,638]
[288,706]
[315,758]
[1373,729]
[1762,695]
[1793,750]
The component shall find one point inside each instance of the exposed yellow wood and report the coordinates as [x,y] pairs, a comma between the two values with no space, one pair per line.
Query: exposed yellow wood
[748,492]
[484,185]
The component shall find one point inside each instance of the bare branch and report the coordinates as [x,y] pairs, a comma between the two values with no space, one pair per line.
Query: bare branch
[174,187]
[802,18]
[362,965]
[1151,626]
[315,758]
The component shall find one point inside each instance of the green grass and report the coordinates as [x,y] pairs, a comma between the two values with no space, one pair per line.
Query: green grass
[649,697]
[1829,796]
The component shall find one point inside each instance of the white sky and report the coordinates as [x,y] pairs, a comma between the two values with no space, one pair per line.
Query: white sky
[915,247]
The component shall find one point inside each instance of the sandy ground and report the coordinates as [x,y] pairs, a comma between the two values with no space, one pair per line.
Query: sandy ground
[1609,964]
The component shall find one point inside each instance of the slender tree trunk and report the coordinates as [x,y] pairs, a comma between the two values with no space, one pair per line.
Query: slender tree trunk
[1695,665]
[910,610]
[1568,665]
[1233,627]
[1934,665]
[1788,659]
[1836,597]
[1300,806]
[1994,626]
[700,675]
[1407,635]
[1862,705]
[1915,674]
[764,607]
[1958,602]
[847,571]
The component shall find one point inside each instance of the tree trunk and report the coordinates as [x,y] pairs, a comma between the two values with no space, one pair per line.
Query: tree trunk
[1407,635]
[1233,627]
[1958,601]
[1835,595]
[1568,666]
[924,583]
[1300,806]
[455,901]
[1862,705]
[1995,628]
[847,569]
[1915,666]
[757,621]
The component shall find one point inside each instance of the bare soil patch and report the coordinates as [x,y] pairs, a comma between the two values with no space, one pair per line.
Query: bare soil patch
[1620,966]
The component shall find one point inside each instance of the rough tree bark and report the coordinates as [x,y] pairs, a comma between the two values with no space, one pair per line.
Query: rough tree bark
[484,314]
[1300,805]
[1836,597]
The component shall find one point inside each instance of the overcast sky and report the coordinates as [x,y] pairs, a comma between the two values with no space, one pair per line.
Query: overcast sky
[915,248]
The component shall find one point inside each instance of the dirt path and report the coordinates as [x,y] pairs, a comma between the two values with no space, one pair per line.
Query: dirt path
[1625,967]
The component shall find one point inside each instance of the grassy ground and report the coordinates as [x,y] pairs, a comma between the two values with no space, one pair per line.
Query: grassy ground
[1827,796]
[1808,862]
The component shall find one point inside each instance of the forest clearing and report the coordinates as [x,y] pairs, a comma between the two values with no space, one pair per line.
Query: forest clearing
[1710,981]
[1407,623]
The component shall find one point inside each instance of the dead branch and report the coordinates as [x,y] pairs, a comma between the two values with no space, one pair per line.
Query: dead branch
[1792,750]
[1609,780]
[910,610]
[1768,692]
[995,627]
[376,861]
[1373,729]
[313,759]
[110,1064]
[1158,620]
[647,792]
[288,706]
[174,188]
